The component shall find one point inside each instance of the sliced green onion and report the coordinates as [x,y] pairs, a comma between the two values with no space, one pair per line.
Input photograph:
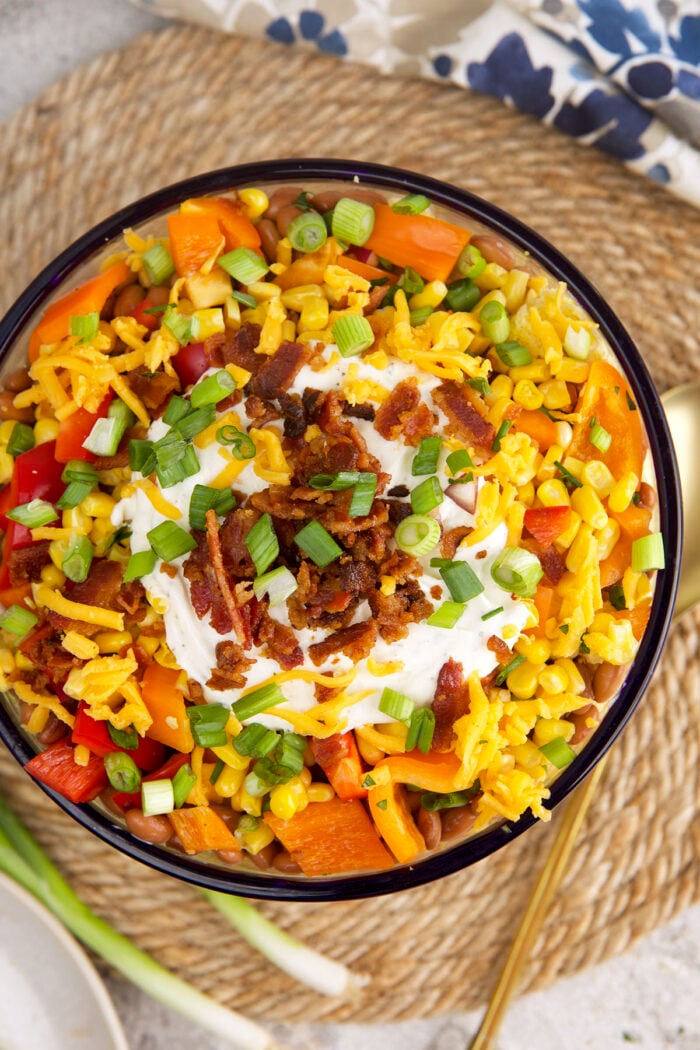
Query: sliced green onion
[244,265]
[256,741]
[630,403]
[420,315]
[417,534]
[157,797]
[179,325]
[513,354]
[21,439]
[169,541]
[510,666]
[471,262]
[396,705]
[411,281]
[461,581]
[158,264]
[426,496]
[459,460]
[517,571]
[127,738]
[183,782]
[463,295]
[495,323]
[216,771]
[33,514]
[157,309]
[648,553]
[353,221]
[242,445]
[244,298]
[123,773]
[257,701]
[500,434]
[567,477]
[79,470]
[142,456]
[481,384]
[446,615]
[18,621]
[363,495]
[139,564]
[304,201]
[318,544]
[118,536]
[204,498]
[420,730]
[491,613]
[277,584]
[107,432]
[262,543]
[213,389]
[600,438]
[307,232]
[73,494]
[425,460]
[352,334]
[186,466]
[577,343]
[208,722]
[178,407]
[85,326]
[289,753]
[434,802]
[558,752]
[412,204]
[343,479]
[195,422]
[78,559]
[616,597]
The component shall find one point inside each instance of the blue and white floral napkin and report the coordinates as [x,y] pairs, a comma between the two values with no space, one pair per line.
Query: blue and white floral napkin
[622,75]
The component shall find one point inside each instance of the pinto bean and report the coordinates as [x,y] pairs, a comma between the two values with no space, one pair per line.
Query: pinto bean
[280,198]
[430,827]
[328,199]
[578,719]
[647,496]
[159,295]
[54,730]
[494,250]
[284,863]
[128,299]
[156,830]
[230,856]
[17,380]
[8,410]
[286,215]
[607,680]
[457,821]
[413,800]
[25,712]
[269,239]
[265,857]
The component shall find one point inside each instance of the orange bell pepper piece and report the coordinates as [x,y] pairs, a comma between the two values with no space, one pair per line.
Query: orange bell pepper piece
[543,598]
[235,225]
[309,269]
[200,828]
[537,426]
[638,617]
[634,523]
[363,269]
[430,246]
[390,812]
[166,706]
[330,837]
[435,771]
[340,760]
[85,299]
[194,239]
[15,595]
[606,396]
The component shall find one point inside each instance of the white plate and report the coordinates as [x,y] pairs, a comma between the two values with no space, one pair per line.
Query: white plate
[51,996]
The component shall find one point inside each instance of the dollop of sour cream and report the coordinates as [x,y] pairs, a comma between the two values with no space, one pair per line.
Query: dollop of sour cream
[410,665]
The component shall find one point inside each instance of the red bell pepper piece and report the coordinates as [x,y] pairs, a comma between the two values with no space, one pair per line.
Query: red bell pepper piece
[56,768]
[37,475]
[547,524]
[128,800]
[190,362]
[73,430]
[340,760]
[94,734]
[141,315]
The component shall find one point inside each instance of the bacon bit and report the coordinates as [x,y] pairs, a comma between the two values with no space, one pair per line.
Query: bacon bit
[450,703]
[279,371]
[499,648]
[404,413]
[169,570]
[465,409]
[355,641]
[217,562]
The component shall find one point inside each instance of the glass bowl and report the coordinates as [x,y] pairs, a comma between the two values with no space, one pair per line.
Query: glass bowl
[80,260]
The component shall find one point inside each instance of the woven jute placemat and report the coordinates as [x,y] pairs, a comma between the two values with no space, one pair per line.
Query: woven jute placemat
[186,100]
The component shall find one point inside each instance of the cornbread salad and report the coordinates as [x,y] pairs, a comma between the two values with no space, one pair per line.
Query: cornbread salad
[329,531]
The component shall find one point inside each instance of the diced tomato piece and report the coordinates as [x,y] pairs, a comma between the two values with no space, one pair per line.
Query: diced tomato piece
[547,524]
[74,429]
[141,315]
[94,734]
[340,760]
[127,800]
[190,362]
[55,767]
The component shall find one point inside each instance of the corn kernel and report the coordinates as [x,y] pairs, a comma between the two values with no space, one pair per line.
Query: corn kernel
[597,474]
[7,661]
[547,468]
[501,386]
[289,331]
[497,410]
[98,505]
[305,776]
[526,494]
[607,538]
[387,585]
[586,503]
[255,202]
[6,467]
[567,538]
[622,493]
[6,429]
[553,680]
[314,315]
[247,803]
[576,684]
[555,394]
[232,313]
[38,719]
[564,433]
[149,644]
[113,641]
[318,792]
[492,278]
[432,295]
[256,840]
[522,680]
[230,757]
[229,782]
[536,650]
[45,430]
[288,799]
[553,493]
[514,287]
[395,729]
[583,551]
[572,371]
[369,752]
[77,520]
[528,756]
[537,372]
[296,298]
[52,574]
[81,755]
[23,663]
[548,729]
[526,394]
[284,251]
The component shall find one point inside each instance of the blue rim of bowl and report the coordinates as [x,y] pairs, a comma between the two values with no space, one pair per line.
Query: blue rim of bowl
[464,854]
